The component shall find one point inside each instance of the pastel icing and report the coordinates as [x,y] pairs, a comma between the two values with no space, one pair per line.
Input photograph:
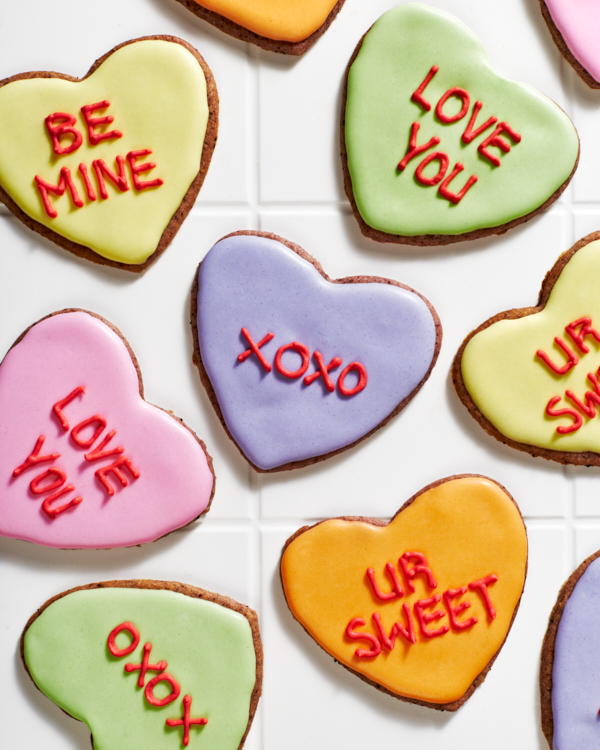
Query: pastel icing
[395,58]
[208,648]
[274,19]
[262,285]
[174,483]
[158,97]
[578,23]
[512,386]
[576,667]
[467,528]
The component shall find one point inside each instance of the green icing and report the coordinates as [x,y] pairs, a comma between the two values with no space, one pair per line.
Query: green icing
[158,98]
[395,57]
[209,650]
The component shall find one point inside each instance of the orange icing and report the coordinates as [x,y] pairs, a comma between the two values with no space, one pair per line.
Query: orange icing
[283,20]
[467,528]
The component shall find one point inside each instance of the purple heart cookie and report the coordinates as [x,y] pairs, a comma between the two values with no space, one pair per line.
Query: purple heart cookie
[299,367]
[570,668]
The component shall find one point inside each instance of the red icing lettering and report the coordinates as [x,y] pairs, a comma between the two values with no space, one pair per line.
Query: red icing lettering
[137,169]
[573,358]
[413,149]
[551,412]
[323,371]
[470,134]
[481,587]
[34,457]
[463,96]
[120,180]
[93,122]
[145,666]
[65,128]
[397,629]
[114,469]
[98,451]
[60,405]
[456,197]
[299,349]
[186,721]
[591,397]
[362,379]
[585,329]
[397,586]
[96,419]
[111,642]
[149,691]
[361,653]
[426,617]
[454,611]
[417,96]
[35,483]
[495,140]
[422,567]
[443,159]
[66,181]
[53,512]
[254,349]
[91,193]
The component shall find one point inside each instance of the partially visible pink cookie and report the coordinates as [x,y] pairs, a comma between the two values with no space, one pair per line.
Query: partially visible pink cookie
[86,462]
[575,25]
[275,25]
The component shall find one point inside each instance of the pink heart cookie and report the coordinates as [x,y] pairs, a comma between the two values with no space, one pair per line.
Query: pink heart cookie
[574,27]
[86,463]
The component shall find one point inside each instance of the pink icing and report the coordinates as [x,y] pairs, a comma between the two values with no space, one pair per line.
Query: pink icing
[175,482]
[578,22]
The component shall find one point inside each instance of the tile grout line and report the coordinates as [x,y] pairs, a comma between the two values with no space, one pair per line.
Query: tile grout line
[254,479]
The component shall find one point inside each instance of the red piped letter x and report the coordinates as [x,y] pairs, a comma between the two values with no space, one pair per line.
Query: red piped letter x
[254,349]
[186,721]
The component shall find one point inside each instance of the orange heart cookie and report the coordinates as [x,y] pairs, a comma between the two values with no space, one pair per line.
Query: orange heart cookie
[276,25]
[419,607]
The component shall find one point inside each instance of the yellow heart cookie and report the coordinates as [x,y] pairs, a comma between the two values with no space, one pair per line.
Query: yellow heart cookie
[422,605]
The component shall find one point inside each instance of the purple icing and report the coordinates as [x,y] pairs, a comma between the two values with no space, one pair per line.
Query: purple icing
[576,668]
[259,284]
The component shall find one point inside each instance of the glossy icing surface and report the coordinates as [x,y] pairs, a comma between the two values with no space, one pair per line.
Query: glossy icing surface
[576,667]
[395,58]
[467,528]
[157,95]
[208,648]
[285,20]
[55,357]
[258,283]
[512,386]
[578,22]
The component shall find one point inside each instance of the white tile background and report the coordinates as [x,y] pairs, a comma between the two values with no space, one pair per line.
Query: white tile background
[276,168]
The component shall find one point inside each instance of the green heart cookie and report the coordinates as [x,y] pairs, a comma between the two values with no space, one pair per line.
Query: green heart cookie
[422,78]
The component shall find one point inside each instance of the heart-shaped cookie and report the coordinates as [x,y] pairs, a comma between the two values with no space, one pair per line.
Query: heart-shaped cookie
[299,367]
[148,665]
[85,461]
[276,25]
[530,376]
[574,28]
[570,663]
[437,147]
[420,606]
[109,166]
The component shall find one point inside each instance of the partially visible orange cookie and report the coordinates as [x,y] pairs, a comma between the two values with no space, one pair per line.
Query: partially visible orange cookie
[285,26]
[419,607]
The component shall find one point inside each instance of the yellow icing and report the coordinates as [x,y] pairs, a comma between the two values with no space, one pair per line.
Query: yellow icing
[283,20]
[467,528]
[157,94]
[511,386]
